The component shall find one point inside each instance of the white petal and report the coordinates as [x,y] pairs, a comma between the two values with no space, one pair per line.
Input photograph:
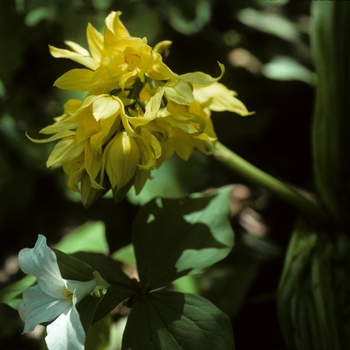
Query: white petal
[38,307]
[80,289]
[66,332]
[41,262]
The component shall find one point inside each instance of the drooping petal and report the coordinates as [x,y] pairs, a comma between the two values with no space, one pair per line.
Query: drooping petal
[41,262]
[75,79]
[66,332]
[202,78]
[122,157]
[55,137]
[93,165]
[219,98]
[86,61]
[38,307]
[65,150]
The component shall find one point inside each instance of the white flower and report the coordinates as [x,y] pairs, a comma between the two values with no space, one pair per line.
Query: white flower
[53,298]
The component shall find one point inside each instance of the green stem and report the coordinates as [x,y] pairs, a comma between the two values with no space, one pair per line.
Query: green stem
[271,184]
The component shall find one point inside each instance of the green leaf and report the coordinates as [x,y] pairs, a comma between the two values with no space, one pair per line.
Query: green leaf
[10,294]
[114,296]
[87,308]
[89,237]
[108,268]
[176,237]
[72,268]
[176,321]
[122,287]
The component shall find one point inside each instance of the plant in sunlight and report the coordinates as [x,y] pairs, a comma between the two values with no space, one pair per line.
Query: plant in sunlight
[136,113]
[75,291]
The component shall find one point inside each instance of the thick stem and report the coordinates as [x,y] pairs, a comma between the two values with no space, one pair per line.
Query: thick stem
[271,184]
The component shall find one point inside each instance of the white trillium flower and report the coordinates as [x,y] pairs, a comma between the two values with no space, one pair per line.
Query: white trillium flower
[53,298]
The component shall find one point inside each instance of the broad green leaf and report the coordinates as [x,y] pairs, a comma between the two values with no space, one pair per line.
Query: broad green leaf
[10,294]
[176,321]
[89,237]
[176,237]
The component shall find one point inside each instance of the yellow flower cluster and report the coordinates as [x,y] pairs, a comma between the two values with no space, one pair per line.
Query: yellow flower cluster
[136,114]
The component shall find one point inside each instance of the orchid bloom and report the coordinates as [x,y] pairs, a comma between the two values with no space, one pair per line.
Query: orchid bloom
[136,113]
[53,299]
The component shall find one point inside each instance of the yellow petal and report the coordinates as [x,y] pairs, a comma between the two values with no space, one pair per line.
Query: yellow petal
[71,106]
[219,98]
[180,93]
[88,126]
[162,47]
[115,25]
[158,70]
[92,165]
[77,48]
[182,143]
[95,41]
[147,156]
[202,78]
[55,137]
[75,170]
[122,156]
[86,61]
[65,127]
[152,108]
[64,151]
[75,79]
[104,107]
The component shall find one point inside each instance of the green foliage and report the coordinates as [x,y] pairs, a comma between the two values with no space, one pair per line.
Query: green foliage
[196,235]
[176,237]
[171,320]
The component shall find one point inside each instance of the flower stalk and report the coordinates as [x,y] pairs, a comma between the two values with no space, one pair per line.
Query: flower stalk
[305,205]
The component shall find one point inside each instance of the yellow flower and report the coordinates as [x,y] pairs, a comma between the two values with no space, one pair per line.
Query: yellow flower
[135,115]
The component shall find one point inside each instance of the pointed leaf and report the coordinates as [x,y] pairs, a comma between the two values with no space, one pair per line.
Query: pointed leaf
[72,268]
[171,320]
[176,237]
